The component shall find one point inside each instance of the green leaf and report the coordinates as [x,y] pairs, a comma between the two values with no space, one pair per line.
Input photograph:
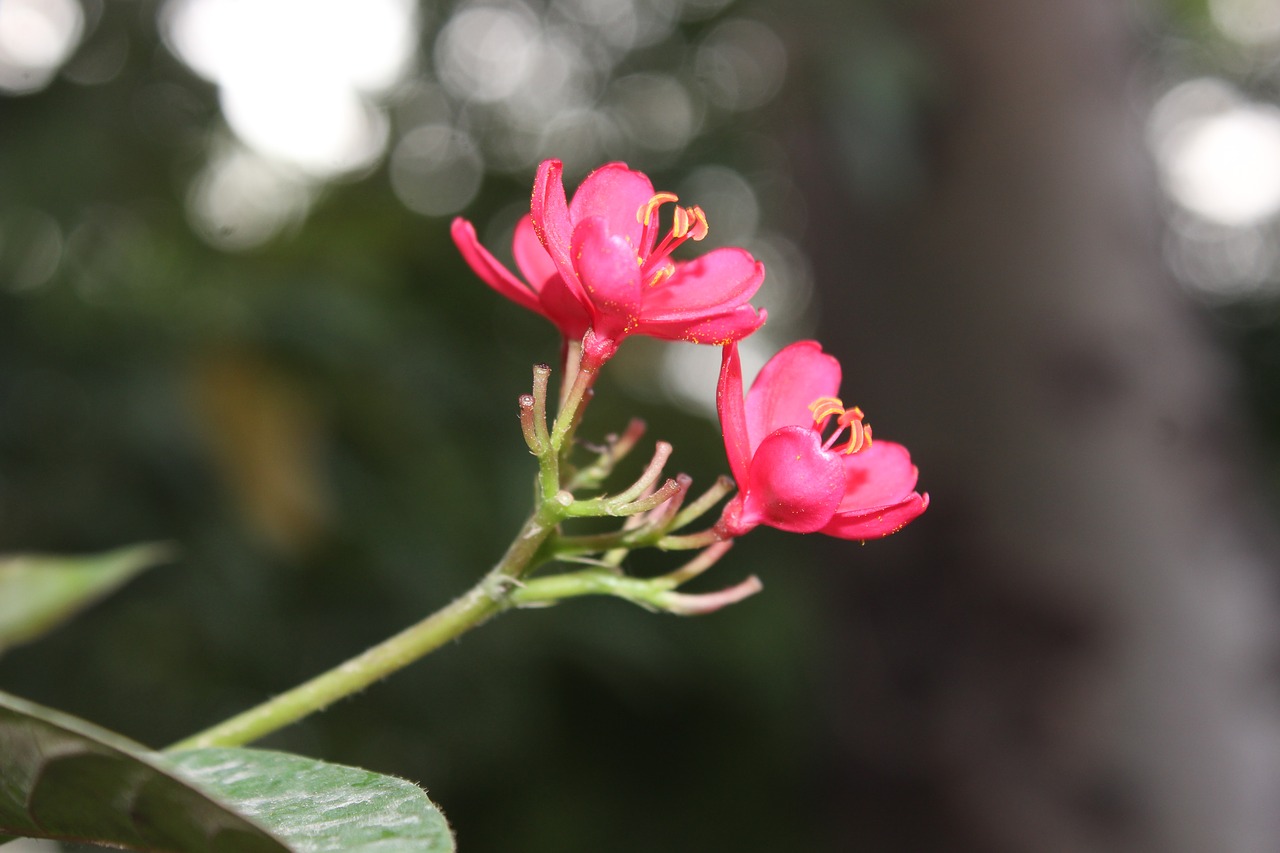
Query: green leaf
[317,806]
[38,592]
[69,780]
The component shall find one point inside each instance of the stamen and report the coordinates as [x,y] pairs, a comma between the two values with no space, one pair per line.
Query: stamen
[688,223]
[859,433]
[700,227]
[854,414]
[850,419]
[825,407]
[646,211]
[680,226]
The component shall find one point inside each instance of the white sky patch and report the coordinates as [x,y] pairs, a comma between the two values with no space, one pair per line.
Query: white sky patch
[1219,154]
[299,79]
[322,130]
[36,37]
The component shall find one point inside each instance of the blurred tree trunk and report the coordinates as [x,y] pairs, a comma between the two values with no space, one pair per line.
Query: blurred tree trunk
[1075,648]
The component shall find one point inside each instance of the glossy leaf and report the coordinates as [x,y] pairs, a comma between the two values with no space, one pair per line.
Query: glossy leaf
[69,780]
[317,806]
[38,592]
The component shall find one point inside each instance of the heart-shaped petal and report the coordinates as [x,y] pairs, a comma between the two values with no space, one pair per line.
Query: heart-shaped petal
[794,484]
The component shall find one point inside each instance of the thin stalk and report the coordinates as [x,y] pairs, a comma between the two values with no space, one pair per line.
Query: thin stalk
[571,408]
[703,502]
[616,449]
[487,598]
[548,458]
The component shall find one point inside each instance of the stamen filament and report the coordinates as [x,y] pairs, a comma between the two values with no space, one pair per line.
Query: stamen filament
[824,408]
[688,223]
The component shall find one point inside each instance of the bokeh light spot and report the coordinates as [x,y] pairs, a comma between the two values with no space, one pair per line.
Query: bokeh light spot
[657,111]
[242,200]
[436,170]
[1219,154]
[297,79]
[31,249]
[36,37]
[1248,22]
[741,64]
[729,201]
[483,54]
[324,129]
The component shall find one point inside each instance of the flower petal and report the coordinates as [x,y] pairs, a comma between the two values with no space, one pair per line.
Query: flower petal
[717,329]
[614,193]
[490,269]
[733,420]
[794,484]
[717,281]
[879,521]
[787,384]
[550,214]
[608,271]
[564,306]
[878,475]
[532,259]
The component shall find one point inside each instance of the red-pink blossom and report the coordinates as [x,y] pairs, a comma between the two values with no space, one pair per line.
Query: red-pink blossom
[543,290]
[595,266]
[789,474]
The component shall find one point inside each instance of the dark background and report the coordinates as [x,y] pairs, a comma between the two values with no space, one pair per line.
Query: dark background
[1074,649]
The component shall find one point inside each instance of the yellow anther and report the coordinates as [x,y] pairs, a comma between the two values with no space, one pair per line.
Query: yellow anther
[857,437]
[854,414]
[825,407]
[700,226]
[680,227]
[646,210]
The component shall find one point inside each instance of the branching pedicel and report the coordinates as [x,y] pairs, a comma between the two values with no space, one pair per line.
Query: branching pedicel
[599,267]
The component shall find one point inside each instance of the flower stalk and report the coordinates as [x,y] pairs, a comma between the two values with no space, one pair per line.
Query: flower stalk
[484,600]
[651,509]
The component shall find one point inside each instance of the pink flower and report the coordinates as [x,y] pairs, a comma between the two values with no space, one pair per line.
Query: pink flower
[595,266]
[792,477]
[545,292]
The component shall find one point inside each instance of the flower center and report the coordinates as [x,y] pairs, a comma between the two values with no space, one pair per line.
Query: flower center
[688,223]
[825,408]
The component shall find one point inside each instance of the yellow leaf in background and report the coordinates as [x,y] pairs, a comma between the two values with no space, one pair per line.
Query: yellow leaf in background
[266,439]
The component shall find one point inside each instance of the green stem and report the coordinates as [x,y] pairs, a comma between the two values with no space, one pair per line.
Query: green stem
[571,409]
[490,596]
[647,592]
[618,447]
